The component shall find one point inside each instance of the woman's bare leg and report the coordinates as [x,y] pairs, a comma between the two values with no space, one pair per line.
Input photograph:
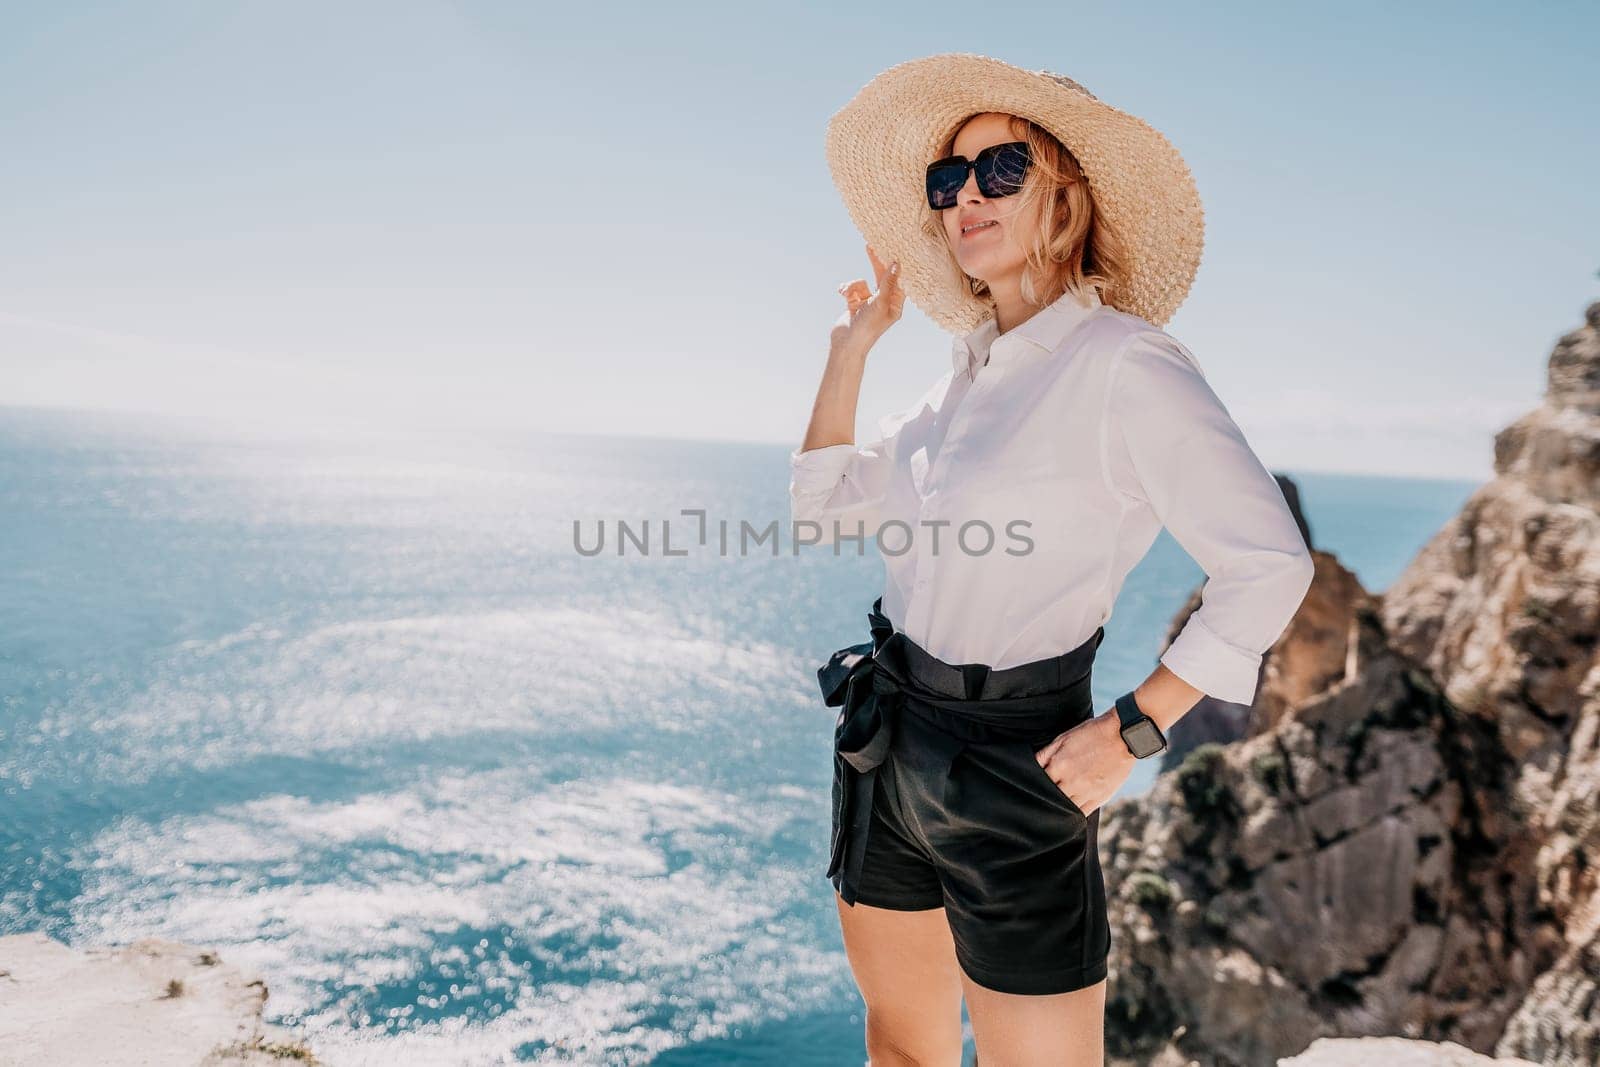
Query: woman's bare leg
[905,964]
[1058,1030]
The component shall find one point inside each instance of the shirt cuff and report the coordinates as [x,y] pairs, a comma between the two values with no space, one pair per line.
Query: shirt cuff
[1212,665]
[818,470]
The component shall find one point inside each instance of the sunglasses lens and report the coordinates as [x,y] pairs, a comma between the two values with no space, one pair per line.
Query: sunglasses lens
[945,180]
[1002,169]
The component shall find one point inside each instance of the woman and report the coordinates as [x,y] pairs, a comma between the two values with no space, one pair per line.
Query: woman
[1053,234]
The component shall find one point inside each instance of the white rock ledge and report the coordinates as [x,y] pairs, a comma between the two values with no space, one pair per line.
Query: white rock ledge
[154,1002]
[1393,1052]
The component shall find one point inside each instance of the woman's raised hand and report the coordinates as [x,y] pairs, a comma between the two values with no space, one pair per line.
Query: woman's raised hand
[867,314]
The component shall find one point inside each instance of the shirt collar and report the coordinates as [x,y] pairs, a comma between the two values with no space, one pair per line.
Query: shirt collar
[1044,330]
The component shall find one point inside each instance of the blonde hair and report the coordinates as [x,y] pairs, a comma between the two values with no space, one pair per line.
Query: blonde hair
[1075,246]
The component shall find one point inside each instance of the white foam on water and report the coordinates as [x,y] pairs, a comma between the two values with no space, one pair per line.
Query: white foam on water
[647,896]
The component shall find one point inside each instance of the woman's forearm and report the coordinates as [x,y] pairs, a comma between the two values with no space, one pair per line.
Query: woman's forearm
[833,414]
[1165,697]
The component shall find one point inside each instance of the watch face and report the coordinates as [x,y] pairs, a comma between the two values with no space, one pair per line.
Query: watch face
[1143,738]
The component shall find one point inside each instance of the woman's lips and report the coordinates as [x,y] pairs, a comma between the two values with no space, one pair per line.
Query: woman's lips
[981,229]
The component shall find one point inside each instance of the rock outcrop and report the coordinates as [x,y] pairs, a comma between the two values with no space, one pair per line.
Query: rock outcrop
[1502,607]
[1398,840]
[154,1001]
[1393,1052]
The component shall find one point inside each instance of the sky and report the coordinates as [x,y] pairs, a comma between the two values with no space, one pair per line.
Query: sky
[617,219]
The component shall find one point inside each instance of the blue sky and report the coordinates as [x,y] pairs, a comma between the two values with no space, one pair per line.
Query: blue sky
[618,219]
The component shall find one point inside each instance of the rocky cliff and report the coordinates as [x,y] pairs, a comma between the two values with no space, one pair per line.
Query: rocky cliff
[1399,838]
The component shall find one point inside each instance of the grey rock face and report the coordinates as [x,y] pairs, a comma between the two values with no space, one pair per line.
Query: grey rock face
[1400,838]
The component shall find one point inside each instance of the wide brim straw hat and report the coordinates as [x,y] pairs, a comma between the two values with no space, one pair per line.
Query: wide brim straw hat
[880,144]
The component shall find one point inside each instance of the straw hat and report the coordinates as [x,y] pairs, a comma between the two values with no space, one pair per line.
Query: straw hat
[880,144]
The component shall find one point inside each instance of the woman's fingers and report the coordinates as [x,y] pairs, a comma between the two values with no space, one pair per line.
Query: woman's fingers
[855,293]
[890,296]
[888,274]
[879,267]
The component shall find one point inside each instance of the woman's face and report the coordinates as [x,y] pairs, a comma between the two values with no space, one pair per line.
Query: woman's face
[993,253]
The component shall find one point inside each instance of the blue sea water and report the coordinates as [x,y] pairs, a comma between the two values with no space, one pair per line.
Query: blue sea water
[351,709]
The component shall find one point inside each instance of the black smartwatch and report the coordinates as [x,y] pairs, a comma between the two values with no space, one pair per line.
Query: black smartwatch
[1139,731]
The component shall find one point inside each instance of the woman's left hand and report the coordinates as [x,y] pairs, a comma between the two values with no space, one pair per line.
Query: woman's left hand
[1091,758]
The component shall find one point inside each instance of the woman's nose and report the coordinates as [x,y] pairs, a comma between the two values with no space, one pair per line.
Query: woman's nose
[970,190]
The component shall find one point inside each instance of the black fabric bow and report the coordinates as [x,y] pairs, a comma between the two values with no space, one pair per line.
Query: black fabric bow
[871,701]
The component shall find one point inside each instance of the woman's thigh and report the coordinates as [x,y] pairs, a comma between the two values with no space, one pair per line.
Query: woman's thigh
[1021,1030]
[905,965]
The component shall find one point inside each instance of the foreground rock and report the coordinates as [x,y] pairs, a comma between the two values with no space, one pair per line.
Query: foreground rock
[1400,838]
[151,1002]
[1392,1052]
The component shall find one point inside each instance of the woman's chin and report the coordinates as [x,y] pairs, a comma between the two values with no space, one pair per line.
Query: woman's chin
[979,267]
[988,272]
[985,270]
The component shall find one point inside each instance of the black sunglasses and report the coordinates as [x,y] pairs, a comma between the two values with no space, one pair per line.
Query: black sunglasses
[1000,169]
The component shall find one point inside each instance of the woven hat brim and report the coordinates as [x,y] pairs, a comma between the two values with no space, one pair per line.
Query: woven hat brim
[880,143]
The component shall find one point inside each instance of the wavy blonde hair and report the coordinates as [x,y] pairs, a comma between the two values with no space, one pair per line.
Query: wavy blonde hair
[1075,246]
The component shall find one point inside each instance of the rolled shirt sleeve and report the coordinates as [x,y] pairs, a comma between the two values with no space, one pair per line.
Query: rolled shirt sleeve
[840,484]
[1168,441]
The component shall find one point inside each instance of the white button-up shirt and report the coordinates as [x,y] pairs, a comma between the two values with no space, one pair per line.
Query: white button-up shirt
[1087,431]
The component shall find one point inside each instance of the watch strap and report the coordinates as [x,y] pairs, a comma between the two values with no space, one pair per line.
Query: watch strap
[1139,731]
[1128,709]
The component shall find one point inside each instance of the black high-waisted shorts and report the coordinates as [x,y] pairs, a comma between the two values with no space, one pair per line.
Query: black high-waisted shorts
[963,817]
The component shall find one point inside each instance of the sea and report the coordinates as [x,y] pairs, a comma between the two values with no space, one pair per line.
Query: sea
[361,712]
